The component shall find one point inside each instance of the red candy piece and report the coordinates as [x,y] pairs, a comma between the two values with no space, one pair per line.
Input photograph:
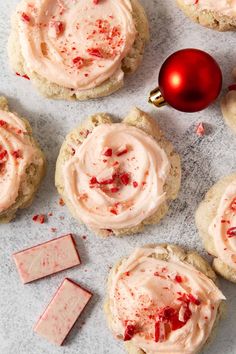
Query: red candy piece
[108,152]
[39,219]
[179,279]
[93,180]
[187,298]
[95,52]
[122,152]
[157,331]
[25,17]
[231,232]
[233,205]
[129,332]
[78,61]
[124,178]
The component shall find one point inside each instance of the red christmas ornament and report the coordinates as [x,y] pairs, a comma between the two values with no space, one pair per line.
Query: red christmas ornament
[189,81]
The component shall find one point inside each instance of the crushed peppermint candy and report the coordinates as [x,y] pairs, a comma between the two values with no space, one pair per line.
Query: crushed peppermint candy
[189,298]
[40,219]
[122,151]
[79,62]
[95,52]
[231,232]
[125,179]
[24,76]
[108,152]
[233,205]
[56,28]
[25,17]
[17,154]
[200,129]
[129,332]
[178,279]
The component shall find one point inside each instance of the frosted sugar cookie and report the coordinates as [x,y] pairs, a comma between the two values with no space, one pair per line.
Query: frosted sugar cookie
[117,177]
[216,222]
[216,14]
[228,107]
[77,49]
[22,163]
[162,299]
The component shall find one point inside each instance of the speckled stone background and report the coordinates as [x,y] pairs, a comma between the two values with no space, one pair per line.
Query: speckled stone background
[204,161]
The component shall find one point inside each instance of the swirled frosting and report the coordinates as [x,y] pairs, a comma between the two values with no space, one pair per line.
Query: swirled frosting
[115,178]
[76,44]
[16,154]
[223,227]
[225,7]
[162,306]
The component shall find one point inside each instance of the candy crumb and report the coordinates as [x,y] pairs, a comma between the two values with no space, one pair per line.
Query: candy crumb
[200,129]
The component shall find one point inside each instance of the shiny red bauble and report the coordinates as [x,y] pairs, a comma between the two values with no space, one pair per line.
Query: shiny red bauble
[190,80]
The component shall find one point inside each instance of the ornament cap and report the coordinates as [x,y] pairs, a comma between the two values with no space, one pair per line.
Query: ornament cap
[156,98]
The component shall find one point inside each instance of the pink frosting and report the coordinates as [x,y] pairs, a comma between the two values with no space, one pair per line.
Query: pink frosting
[75,44]
[225,7]
[115,178]
[162,307]
[16,154]
[223,227]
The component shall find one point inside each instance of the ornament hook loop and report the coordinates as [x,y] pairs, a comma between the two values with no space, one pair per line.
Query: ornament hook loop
[156,98]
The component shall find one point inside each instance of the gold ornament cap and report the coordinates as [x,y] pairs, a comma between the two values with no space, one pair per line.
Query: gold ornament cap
[156,98]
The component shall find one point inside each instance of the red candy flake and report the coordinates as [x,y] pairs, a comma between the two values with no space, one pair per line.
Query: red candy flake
[108,152]
[61,202]
[135,184]
[231,232]
[170,316]
[200,129]
[3,155]
[58,27]
[188,298]
[232,87]
[178,279]
[157,331]
[3,123]
[113,211]
[95,52]
[24,76]
[96,2]
[115,190]
[39,219]
[125,179]
[160,332]
[233,205]
[78,61]
[93,180]
[17,154]
[107,181]
[25,17]
[166,313]
[129,332]
[122,152]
